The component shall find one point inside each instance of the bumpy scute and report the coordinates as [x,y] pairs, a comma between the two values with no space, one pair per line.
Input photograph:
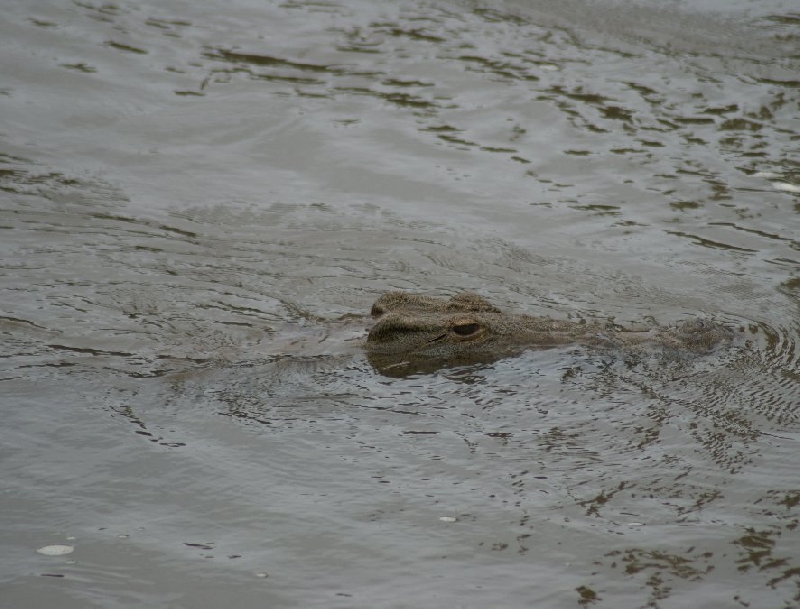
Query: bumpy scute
[408,302]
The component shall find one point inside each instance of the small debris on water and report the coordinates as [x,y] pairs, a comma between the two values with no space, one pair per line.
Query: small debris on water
[262,575]
[202,546]
[783,186]
[635,524]
[56,550]
[447,518]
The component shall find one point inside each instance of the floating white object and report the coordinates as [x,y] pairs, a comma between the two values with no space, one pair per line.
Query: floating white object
[447,519]
[785,187]
[56,550]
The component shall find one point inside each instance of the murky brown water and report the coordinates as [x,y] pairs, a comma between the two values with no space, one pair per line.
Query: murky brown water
[200,201]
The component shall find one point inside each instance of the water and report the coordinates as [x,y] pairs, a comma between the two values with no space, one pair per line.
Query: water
[199,203]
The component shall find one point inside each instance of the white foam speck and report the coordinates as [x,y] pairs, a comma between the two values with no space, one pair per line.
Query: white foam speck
[56,550]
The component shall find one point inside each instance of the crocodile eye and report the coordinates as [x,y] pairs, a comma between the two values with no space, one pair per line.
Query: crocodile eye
[466,329]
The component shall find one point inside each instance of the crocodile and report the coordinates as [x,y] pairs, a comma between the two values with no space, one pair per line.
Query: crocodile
[419,328]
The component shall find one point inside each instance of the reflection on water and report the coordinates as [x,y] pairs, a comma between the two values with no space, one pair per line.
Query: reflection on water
[199,203]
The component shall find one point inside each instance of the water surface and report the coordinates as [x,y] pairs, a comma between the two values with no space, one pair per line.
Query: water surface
[200,201]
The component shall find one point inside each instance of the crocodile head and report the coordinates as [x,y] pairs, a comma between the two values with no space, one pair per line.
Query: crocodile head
[419,332]
[415,332]
[425,325]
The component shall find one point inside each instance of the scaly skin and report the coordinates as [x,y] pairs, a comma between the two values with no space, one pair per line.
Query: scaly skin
[414,325]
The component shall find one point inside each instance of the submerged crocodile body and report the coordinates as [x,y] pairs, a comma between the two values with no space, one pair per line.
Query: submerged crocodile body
[467,327]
